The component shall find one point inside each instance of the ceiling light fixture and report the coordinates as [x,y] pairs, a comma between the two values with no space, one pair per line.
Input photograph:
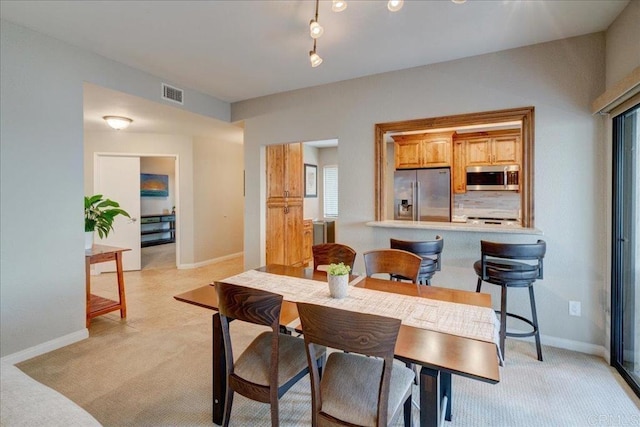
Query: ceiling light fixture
[395,5]
[314,57]
[459,1]
[315,29]
[118,122]
[338,5]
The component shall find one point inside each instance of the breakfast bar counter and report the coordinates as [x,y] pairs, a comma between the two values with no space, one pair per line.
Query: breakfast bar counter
[454,226]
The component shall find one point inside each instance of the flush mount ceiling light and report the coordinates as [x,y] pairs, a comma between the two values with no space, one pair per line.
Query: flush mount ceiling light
[118,122]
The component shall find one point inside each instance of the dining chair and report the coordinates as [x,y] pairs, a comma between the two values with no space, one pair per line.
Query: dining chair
[429,250]
[362,385]
[394,262]
[512,265]
[273,362]
[332,253]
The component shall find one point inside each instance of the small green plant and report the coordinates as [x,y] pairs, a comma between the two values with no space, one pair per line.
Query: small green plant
[100,213]
[338,269]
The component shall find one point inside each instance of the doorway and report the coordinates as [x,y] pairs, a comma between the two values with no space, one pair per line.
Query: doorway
[118,176]
[625,279]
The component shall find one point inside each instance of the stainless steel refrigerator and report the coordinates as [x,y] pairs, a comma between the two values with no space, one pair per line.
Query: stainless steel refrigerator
[422,194]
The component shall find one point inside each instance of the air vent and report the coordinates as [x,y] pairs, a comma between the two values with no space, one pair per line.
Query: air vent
[172,94]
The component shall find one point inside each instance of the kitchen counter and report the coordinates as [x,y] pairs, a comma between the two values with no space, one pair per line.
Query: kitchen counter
[454,226]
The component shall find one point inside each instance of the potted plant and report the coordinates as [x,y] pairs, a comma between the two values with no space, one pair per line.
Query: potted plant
[99,214]
[338,278]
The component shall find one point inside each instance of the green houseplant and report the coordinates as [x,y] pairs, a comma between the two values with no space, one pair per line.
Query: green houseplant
[99,214]
[338,278]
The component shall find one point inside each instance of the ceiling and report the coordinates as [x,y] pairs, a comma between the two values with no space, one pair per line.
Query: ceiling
[238,50]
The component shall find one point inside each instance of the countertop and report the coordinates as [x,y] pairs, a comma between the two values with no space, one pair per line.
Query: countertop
[454,226]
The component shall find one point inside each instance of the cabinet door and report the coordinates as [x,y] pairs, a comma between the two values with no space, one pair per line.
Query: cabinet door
[506,150]
[459,168]
[293,235]
[478,151]
[275,234]
[307,241]
[408,154]
[276,171]
[436,151]
[293,175]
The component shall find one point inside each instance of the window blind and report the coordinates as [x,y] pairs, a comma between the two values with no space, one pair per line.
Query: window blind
[330,179]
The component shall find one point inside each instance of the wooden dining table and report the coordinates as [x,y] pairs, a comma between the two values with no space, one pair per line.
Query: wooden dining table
[439,354]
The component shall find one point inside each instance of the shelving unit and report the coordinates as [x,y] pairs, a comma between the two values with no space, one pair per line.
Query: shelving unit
[161,227]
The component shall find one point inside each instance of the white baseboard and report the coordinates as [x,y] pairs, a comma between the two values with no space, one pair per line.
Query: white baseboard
[579,346]
[210,261]
[46,347]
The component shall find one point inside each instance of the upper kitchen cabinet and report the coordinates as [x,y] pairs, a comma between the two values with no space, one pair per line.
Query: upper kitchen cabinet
[459,175]
[493,148]
[428,150]
[284,171]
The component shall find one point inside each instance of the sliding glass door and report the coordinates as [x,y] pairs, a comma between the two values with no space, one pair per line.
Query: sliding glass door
[625,280]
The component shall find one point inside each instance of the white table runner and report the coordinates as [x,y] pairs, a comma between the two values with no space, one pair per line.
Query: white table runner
[469,321]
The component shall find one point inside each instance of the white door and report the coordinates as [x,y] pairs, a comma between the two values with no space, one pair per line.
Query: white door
[118,178]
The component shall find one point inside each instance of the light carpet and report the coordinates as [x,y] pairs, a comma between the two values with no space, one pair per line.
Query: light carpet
[154,369]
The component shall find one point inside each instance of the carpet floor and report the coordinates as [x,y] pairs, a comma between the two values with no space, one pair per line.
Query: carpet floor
[154,369]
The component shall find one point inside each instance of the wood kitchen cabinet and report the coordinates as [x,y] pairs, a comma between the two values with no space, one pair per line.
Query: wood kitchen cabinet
[284,171]
[284,226]
[284,233]
[459,173]
[427,150]
[307,241]
[493,148]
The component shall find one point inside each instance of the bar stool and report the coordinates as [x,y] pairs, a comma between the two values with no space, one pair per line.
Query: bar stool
[429,251]
[498,266]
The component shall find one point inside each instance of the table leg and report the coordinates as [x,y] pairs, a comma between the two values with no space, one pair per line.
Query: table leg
[87,280]
[123,302]
[435,390]
[219,369]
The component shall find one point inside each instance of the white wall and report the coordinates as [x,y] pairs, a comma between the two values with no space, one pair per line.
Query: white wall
[42,289]
[623,44]
[560,79]
[218,179]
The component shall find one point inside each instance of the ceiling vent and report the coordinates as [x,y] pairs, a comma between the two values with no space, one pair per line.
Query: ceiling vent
[172,94]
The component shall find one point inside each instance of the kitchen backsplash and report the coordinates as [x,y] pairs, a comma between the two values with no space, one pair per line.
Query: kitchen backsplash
[487,204]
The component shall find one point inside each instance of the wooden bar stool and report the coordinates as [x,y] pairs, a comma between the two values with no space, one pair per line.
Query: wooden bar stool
[498,266]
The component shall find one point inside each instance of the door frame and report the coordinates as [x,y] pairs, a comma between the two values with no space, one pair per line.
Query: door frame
[176,178]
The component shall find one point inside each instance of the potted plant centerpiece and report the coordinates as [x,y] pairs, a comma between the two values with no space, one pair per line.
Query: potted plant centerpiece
[99,215]
[338,278]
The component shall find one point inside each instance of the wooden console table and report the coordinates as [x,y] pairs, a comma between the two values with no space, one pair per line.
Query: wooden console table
[97,305]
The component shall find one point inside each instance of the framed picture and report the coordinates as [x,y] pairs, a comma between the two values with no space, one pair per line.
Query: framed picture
[152,185]
[310,180]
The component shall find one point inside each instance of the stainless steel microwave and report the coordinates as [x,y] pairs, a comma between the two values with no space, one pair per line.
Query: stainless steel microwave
[493,178]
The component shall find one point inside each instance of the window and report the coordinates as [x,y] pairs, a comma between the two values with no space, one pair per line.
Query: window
[330,180]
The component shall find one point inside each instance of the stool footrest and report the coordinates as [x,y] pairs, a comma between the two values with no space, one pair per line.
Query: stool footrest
[525,320]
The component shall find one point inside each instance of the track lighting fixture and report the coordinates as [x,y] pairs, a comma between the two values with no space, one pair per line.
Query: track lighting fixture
[314,57]
[315,29]
[395,5]
[338,5]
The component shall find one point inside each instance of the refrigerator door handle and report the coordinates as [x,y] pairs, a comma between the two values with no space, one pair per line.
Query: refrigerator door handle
[416,201]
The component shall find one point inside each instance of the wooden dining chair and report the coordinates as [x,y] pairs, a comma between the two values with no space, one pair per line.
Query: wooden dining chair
[361,386]
[394,262]
[273,362]
[332,253]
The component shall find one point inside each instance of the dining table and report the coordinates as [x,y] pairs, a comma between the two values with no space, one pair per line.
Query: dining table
[439,353]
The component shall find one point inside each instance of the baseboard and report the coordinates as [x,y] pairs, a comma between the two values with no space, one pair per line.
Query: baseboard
[46,347]
[579,346]
[210,261]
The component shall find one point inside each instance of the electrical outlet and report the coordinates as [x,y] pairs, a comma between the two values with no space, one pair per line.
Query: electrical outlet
[574,308]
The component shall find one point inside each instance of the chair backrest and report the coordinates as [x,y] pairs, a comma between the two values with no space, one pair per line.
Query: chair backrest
[394,262]
[360,333]
[513,251]
[249,305]
[332,253]
[427,249]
